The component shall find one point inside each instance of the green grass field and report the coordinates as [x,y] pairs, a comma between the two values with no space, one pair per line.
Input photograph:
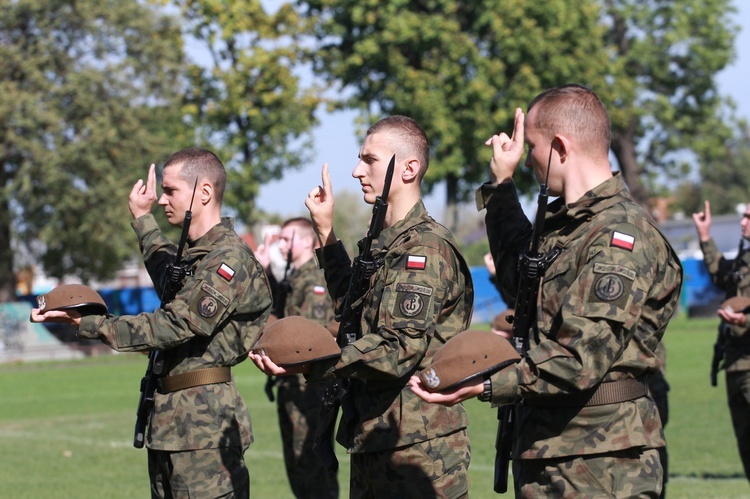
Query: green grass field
[66,428]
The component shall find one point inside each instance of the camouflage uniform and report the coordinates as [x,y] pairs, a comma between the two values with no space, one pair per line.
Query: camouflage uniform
[420,296]
[298,402]
[203,431]
[733,276]
[602,309]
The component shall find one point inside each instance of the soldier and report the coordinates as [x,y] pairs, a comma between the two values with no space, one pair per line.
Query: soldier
[420,296]
[587,426]
[199,427]
[298,403]
[733,277]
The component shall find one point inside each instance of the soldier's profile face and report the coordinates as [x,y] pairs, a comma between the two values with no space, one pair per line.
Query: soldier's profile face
[176,195]
[374,157]
[745,223]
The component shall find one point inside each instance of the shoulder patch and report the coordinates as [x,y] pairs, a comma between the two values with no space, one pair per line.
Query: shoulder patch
[622,240]
[215,293]
[609,287]
[416,262]
[207,306]
[226,271]
[414,288]
[603,268]
[319,290]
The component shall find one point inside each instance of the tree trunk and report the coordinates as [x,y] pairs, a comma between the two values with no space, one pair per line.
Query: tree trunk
[7,276]
[451,203]
[623,147]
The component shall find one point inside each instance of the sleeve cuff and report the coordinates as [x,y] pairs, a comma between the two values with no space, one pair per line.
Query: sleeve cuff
[90,327]
[505,386]
[332,255]
[144,224]
[486,191]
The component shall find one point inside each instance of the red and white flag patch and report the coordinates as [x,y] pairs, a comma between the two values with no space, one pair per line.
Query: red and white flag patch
[621,240]
[226,272]
[416,262]
[319,290]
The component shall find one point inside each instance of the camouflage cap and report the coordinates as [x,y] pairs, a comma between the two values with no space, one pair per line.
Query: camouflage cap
[465,356]
[82,298]
[737,304]
[295,340]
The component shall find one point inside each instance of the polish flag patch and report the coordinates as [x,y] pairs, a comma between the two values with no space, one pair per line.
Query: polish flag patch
[621,240]
[226,272]
[319,290]
[416,262]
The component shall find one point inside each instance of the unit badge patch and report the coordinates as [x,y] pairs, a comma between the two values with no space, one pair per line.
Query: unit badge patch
[609,287]
[207,307]
[411,304]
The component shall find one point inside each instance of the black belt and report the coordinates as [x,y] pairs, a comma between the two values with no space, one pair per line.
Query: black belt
[610,392]
[190,379]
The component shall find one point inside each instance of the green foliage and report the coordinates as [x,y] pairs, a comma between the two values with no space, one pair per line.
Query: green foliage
[246,102]
[74,422]
[81,85]
[662,95]
[459,68]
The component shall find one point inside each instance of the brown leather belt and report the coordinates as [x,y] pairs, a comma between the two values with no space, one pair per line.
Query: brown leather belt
[611,392]
[199,377]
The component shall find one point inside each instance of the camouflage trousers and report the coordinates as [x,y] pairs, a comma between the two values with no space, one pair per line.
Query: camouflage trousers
[209,473]
[738,397]
[430,469]
[298,409]
[627,473]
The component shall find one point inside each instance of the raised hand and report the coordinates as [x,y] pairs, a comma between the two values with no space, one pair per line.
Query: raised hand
[506,151]
[320,203]
[143,196]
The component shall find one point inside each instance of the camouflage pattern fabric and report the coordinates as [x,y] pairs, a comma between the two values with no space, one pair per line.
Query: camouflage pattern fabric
[602,309]
[421,296]
[738,397]
[209,474]
[298,404]
[213,321]
[435,468]
[737,345]
[626,473]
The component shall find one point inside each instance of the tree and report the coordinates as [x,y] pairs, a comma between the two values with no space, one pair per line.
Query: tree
[247,103]
[85,87]
[667,113]
[725,178]
[458,67]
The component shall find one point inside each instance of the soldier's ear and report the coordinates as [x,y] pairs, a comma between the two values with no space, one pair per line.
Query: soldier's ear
[206,191]
[411,170]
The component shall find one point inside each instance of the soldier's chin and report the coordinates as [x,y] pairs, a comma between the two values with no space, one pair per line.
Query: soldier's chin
[369,197]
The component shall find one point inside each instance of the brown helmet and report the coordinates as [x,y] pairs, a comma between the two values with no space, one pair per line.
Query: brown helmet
[295,340]
[82,298]
[465,356]
[737,304]
[501,322]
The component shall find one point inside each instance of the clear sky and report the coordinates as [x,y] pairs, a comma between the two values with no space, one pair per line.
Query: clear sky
[336,144]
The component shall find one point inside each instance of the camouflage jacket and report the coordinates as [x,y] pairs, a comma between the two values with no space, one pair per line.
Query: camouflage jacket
[732,276]
[420,296]
[213,321]
[309,298]
[602,309]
